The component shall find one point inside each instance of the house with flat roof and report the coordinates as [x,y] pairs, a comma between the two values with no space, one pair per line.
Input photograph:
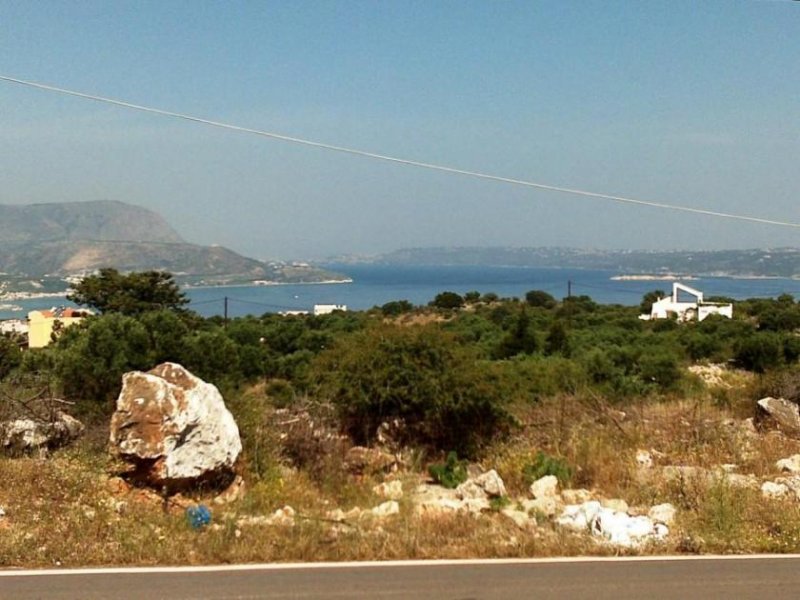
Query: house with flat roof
[695,308]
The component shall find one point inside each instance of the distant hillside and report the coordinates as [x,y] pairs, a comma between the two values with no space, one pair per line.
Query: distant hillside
[780,262]
[76,238]
[103,220]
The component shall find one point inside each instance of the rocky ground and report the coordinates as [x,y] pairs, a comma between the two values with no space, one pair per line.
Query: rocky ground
[668,477]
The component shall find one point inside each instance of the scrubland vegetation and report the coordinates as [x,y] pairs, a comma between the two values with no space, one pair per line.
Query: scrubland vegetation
[530,387]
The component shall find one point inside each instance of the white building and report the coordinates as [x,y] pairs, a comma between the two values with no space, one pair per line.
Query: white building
[14,326]
[326,309]
[686,310]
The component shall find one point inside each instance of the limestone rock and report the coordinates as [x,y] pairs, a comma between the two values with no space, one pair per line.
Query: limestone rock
[391,490]
[360,460]
[235,491]
[470,490]
[544,486]
[621,529]
[790,465]
[491,483]
[783,414]
[738,480]
[578,496]
[435,500]
[25,435]
[173,428]
[519,518]
[644,459]
[614,527]
[388,508]
[615,504]
[663,513]
[578,517]
[547,506]
[772,490]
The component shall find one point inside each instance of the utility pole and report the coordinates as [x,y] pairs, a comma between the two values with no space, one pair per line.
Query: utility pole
[569,288]
[225,313]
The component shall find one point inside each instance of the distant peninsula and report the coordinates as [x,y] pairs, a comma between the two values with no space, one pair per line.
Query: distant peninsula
[755,263]
[43,246]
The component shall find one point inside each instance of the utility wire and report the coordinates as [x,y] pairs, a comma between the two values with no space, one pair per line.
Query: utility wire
[402,161]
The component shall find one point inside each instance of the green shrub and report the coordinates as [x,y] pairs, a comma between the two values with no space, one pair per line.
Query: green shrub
[447,398]
[545,464]
[448,300]
[449,474]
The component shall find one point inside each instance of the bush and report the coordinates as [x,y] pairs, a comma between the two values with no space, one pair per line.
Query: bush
[10,355]
[759,352]
[91,358]
[448,300]
[396,307]
[545,464]
[445,396]
[540,299]
[449,474]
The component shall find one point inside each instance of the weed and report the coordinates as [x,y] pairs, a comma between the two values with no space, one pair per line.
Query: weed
[449,474]
[545,464]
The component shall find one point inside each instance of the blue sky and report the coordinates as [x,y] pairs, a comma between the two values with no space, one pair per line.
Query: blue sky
[693,103]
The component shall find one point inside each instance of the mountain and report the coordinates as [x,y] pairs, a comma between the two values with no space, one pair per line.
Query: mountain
[102,220]
[67,239]
[777,262]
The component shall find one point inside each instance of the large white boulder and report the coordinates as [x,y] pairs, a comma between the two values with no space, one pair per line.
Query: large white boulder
[173,427]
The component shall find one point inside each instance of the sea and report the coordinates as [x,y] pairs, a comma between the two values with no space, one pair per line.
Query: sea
[374,285]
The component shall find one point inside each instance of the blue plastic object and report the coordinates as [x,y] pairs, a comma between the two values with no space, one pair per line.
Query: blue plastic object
[198,516]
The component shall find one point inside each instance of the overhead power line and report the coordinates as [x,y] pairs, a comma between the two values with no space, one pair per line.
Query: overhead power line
[402,161]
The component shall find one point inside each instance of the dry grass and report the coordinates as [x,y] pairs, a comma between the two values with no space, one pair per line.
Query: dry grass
[61,511]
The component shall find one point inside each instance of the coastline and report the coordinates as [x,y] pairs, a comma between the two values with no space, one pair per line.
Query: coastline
[265,284]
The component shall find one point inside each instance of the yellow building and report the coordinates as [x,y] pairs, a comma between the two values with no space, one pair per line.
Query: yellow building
[42,323]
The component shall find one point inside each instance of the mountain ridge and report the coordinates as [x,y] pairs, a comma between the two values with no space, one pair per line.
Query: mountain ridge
[776,262]
[74,238]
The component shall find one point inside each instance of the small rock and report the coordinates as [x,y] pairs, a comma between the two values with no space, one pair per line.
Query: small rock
[470,490]
[544,487]
[492,484]
[578,517]
[793,483]
[391,490]
[520,518]
[663,513]
[118,486]
[235,491]
[578,496]
[615,504]
[772,490]
[742,481]
[283,516]
[783,414]
[679,473]
[547,506]
[644,459]
[388,508]
[360,459]
[25,435]
[790,465]
[2,512]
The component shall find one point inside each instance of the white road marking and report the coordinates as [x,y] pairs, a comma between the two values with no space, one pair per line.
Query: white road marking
[388,563]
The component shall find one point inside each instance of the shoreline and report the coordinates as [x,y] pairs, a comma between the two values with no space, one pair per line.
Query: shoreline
[254,284]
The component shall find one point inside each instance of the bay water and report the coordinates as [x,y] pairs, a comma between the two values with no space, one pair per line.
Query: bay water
[374,285]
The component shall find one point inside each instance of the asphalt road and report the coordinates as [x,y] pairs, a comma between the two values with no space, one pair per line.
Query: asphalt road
[760,578]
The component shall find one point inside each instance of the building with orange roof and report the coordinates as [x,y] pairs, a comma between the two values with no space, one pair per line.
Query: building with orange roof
[42,323]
